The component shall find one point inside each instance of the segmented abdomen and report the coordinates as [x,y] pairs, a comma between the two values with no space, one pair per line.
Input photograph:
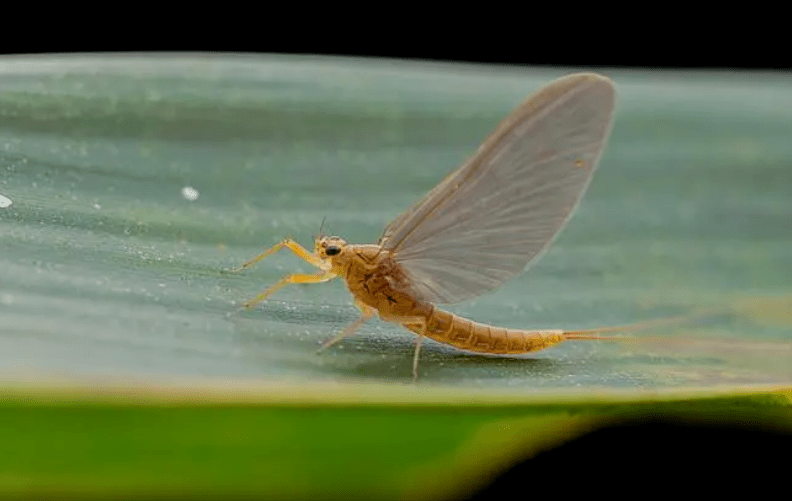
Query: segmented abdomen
[462,333]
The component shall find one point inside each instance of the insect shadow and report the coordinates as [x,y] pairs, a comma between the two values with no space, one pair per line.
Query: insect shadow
[387,353]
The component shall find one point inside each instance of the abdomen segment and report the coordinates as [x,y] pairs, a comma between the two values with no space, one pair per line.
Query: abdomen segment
[465,334]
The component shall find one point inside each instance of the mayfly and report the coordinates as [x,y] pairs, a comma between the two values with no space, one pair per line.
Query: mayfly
[482,225]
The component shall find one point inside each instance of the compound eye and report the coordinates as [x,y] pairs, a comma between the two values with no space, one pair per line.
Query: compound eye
[332,250]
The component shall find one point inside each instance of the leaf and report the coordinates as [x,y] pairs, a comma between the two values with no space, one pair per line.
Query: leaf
[138,181]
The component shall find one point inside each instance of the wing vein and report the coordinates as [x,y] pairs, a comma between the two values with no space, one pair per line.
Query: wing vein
[501,209]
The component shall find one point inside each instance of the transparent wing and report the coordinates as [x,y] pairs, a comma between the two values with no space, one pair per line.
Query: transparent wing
[490,218]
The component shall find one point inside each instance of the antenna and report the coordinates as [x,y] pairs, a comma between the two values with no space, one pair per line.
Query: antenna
[321,227]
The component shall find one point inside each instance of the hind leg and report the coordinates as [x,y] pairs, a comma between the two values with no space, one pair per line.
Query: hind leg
[415,324]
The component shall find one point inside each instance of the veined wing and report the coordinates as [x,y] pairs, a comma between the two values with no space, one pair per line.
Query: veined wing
[495,214]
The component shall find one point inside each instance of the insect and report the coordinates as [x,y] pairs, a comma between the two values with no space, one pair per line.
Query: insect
[482,225]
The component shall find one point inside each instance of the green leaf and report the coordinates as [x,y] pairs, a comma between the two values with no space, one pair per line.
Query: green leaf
[132,184]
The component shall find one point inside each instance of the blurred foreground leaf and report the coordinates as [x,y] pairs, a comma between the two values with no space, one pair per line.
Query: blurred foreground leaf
[184,442]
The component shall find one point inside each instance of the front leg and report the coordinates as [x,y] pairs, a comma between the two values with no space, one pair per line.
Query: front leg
[288,243]
[297,278]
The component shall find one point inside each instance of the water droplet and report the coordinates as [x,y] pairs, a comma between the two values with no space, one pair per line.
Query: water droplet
[190,193]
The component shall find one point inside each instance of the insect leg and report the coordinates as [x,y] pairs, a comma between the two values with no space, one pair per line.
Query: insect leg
[416,324]
[288,243]
[366,312]
[415,357]
[297,278]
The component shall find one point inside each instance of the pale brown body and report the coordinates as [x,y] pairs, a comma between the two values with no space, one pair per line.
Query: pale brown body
[379,286]
[372,277]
